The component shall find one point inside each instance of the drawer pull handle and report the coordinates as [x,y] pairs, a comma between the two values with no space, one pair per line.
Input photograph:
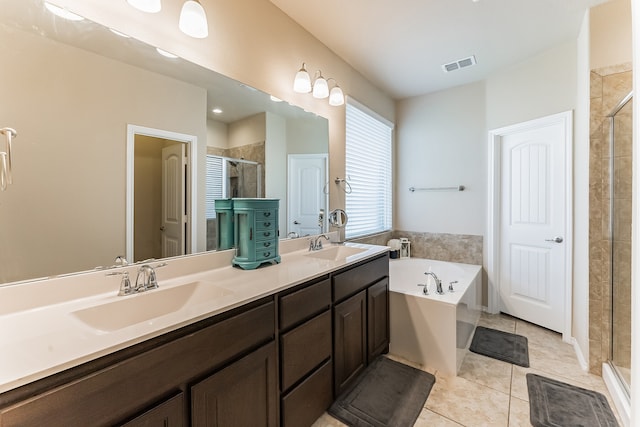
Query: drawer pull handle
[267,244]
[267,214]
[267,224]
[266,254]
[267,233]
[251,233]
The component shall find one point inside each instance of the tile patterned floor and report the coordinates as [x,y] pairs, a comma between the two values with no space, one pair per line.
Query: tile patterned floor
[489,392]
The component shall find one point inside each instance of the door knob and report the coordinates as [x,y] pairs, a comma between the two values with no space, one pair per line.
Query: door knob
[555,240]
[162,228]
[296,223]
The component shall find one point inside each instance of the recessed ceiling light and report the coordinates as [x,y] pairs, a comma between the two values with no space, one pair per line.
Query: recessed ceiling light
[118,33]
[216,111]
[62,13]
[165,53]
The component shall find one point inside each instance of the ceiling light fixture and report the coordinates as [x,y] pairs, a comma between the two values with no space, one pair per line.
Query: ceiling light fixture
[320,87]
[302,81]
[336,96]
[275,98]
[216,111]
[149,6]
[62,13]
[193,20]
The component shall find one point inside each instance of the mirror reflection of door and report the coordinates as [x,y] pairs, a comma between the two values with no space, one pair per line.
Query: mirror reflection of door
[160,209]
[307,179]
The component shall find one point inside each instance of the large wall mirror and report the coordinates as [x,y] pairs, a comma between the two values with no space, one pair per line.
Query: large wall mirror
[95,111]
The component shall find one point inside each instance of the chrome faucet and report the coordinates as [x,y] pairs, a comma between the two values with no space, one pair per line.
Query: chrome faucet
[146,279]
[439,290]
[315,244]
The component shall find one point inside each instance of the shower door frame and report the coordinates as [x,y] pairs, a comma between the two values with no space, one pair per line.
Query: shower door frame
[624,386]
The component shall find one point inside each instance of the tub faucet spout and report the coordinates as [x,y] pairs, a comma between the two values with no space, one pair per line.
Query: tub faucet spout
[439,290]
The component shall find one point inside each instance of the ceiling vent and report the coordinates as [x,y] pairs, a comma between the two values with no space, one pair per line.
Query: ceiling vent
[460,63]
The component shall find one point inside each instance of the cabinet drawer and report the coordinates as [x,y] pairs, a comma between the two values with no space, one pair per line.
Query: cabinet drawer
[301,305]
[262,214]
[265,254]
[266,235]
[308,401]
[358,278]
[304,348]
[265,224]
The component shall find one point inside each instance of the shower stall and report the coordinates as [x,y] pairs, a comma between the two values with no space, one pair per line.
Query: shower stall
[243,178]
[227,178]
[620,196]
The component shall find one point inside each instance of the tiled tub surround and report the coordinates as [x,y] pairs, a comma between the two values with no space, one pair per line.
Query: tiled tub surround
[41,336]
[463,248]
[608,87]
[433,330]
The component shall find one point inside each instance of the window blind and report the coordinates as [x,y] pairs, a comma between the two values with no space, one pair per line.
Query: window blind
[213,184]
[369,171]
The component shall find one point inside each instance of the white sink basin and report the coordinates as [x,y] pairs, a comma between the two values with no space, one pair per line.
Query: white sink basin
[335,253]
[131,309]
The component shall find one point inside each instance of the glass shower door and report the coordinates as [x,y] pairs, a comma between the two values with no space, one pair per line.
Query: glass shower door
[621,196]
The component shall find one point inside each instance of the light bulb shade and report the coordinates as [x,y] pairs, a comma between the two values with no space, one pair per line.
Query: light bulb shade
[336,97]
[149,6]
[193,20]
[302,81]
[320,88]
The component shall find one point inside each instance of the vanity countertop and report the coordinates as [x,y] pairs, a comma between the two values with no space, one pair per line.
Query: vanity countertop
[52,325]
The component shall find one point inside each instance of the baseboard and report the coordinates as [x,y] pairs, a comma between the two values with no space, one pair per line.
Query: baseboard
[620,399]
[581,359]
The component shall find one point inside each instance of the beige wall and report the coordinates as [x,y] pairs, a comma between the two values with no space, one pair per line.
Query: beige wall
[611,33]
[543,85]
[441,142]
[217,134]
[77,128]
[247,131]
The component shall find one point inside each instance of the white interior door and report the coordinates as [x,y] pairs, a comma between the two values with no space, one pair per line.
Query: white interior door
[174,216]
[533,212]
[307,176]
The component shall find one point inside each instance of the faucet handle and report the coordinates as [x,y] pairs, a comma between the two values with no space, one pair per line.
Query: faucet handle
[425,288]
[152,282]
[451,285]
[125,283]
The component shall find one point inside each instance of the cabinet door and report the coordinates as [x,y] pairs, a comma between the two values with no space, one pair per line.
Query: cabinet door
[378,319]
[243,394]
[167,414]
[350,339]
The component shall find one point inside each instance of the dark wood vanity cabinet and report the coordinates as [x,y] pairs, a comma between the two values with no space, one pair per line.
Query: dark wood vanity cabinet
[278,361]
[134,386]
[242,394]
[306,374]
[360,318]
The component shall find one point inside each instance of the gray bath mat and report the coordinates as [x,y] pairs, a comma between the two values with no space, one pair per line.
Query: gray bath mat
[553,403]
[387,394]
[501,345]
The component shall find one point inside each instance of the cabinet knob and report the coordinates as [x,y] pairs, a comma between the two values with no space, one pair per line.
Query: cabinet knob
[267,214]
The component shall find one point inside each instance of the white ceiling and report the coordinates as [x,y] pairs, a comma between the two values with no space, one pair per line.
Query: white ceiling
[400,45]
